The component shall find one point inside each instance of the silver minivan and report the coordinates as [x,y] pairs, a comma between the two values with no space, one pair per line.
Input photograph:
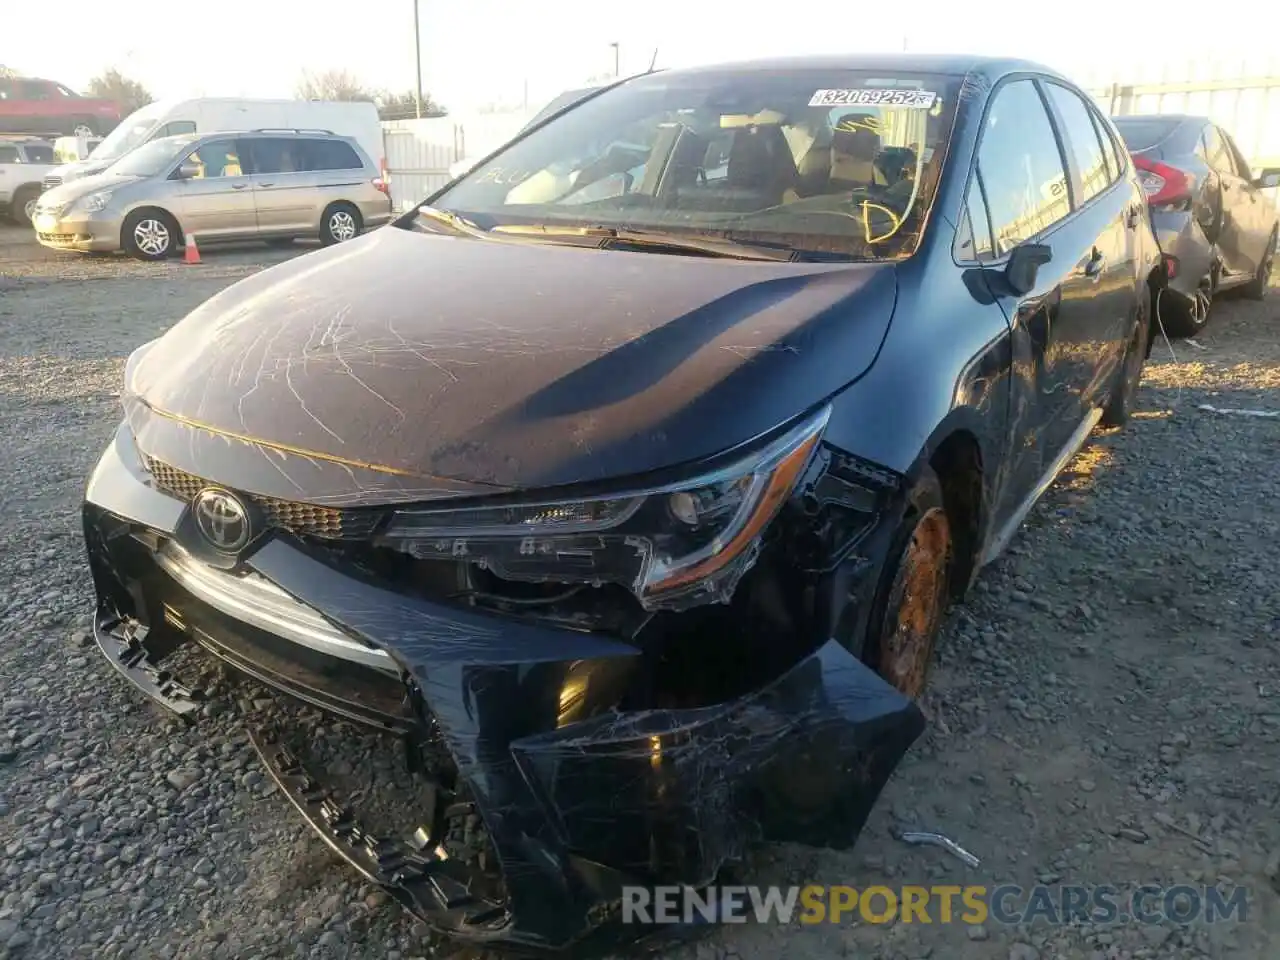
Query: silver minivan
[274,185]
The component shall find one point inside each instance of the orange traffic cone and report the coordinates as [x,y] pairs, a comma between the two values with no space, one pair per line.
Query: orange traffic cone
[190,253]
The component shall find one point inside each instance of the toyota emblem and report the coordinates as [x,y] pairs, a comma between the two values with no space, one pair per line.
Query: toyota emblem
[222,519]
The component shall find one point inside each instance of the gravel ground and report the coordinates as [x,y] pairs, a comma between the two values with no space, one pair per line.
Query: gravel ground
[1107,709]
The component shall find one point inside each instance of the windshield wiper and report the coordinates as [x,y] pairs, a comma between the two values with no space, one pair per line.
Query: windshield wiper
[459,225]
[657,239]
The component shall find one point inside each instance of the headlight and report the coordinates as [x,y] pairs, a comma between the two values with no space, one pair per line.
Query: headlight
[93,202]
[668,544]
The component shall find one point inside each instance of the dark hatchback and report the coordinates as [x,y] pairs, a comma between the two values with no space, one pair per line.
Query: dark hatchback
[628,479]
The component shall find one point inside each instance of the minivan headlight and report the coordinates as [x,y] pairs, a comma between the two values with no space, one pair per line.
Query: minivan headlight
[671,545]
[93,202]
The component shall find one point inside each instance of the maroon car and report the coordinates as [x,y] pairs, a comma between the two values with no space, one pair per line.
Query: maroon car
[30,105]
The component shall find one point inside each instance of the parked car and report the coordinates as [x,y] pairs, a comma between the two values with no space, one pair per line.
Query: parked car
[270,185]
[167,118]
[1216,227]
[23,162]
[636,516]
[31,105]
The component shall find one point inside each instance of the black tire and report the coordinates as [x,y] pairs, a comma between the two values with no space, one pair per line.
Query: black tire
[156,223]
[339,222]
[19,206]
[901,641]
[1129,376]
[1185,317]
[1256,289]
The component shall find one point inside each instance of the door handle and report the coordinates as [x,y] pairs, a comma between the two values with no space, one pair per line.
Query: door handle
[238,186]
[267,184]
[1096,262]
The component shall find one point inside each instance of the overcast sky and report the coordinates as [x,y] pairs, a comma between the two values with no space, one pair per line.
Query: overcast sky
[480,51]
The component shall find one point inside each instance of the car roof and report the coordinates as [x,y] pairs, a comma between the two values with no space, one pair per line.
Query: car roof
[956,64]
[1178,117]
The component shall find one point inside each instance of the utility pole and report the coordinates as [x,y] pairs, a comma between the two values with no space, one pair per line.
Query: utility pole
[616,50]
[417,52]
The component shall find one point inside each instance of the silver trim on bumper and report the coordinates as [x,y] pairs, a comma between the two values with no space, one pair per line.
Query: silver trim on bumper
[254,600]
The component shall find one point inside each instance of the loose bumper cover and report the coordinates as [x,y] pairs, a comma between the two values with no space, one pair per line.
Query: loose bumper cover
[580,796]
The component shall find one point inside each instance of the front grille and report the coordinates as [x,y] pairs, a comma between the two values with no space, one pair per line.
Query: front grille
[51,181]
[304,519]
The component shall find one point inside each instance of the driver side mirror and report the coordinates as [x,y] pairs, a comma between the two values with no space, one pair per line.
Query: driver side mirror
[189,170]
[1268,178]
[1025,261]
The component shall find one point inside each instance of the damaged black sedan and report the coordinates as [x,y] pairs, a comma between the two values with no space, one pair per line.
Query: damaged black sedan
[628,478]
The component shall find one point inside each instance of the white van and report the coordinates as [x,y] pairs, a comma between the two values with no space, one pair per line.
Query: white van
[165,118]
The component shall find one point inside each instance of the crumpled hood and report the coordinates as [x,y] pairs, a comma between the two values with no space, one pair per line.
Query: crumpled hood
[508,363]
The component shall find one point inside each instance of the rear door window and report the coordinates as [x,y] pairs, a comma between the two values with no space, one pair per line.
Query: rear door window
[1217,152]
[1021,167]
[329,155]
[1082,141]
[9,154]
[276,155]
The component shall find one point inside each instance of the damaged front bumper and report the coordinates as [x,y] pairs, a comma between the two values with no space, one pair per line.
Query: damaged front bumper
[583,784]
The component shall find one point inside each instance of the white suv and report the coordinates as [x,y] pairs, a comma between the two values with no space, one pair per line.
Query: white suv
[23,163]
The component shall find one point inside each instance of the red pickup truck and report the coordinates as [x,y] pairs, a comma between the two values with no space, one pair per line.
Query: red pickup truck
[29,105]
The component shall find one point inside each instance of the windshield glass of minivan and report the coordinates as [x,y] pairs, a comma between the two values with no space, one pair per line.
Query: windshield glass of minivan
[831,161]
[132,132]
[151,158]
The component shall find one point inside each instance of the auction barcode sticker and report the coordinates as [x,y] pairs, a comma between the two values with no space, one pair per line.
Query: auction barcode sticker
[917,99]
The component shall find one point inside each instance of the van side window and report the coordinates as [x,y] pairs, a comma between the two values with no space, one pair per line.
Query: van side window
[1021,166]
[276,155]
[329,155]
[217,158]
[175,127]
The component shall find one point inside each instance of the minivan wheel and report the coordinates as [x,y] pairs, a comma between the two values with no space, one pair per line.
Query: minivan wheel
[341,222]
[149,235]
[913,593]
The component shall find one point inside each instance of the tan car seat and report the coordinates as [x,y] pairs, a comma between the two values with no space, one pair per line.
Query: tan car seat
[854,148]
[760,160]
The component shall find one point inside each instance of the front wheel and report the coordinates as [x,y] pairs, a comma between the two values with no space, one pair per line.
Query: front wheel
[341,222]
[913,593]
[149,235]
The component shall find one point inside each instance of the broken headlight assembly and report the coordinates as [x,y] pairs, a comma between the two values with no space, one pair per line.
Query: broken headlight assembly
[670,545]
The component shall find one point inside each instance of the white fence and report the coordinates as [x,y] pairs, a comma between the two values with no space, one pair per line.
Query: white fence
[419,152]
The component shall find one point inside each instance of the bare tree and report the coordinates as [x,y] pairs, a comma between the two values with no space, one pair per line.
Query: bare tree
[404,106]
[115,86]
[332,85]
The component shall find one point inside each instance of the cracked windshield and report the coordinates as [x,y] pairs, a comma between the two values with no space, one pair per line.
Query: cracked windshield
[837,163]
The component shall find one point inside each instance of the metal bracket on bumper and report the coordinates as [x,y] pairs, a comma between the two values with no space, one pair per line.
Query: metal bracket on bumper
[124,641]
[416,872]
